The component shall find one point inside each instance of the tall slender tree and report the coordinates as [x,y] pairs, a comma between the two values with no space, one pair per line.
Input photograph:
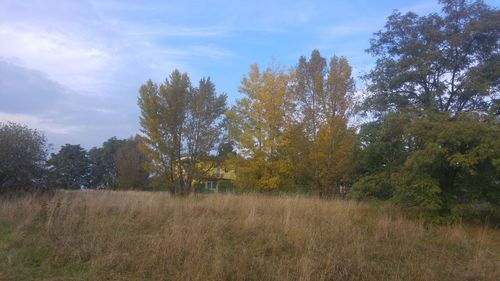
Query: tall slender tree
[257,123]
[323,94]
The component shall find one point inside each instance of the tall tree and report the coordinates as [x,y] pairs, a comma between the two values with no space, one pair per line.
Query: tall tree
[433,93]
[446,62]
[257,123]
[69,168]
[291,128]
[204,124]
[323,94]
[23,153]
[163,111]
[179,125]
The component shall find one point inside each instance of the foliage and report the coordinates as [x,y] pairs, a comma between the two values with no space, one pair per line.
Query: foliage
[131,166]
[323,95]
[434,142]
[445,62]
[181,125]
[103,170]
[257,123]
[23,153]
[432,161]
[291,128]
[381,151]
[69,168]
[456,161]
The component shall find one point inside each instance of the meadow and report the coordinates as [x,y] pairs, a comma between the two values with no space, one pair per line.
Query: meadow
[111,235]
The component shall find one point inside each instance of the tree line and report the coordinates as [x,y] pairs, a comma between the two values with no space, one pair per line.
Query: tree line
[429,140]
[26,165]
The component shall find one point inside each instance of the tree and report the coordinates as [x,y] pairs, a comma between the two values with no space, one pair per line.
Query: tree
[103,164]
[131,166]
[382,149]
[23,153]
[257,123]
[323,94]
[441,62]
[204,124]
[454,162]
[180,126]
[291,128]
[433,93]
[69,168]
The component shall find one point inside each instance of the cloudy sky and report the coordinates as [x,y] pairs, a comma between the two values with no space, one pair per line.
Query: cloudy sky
[72,69]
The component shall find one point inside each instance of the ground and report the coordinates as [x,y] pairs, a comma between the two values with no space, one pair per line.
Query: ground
[104,235]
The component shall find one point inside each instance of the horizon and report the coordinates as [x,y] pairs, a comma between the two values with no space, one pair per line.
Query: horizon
[73,69]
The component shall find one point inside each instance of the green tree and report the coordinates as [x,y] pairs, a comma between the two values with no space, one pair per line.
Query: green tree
[444,62]
[180,126]
[103,164]
[69,168]
[23,153]
[204,126]
[454,162]
[433,94]
[381,151]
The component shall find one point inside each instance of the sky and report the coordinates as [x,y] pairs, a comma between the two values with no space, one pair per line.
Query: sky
[72,69]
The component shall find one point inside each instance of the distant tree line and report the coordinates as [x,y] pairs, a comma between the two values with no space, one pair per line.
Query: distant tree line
[25,164]
[430,140]
[117,164]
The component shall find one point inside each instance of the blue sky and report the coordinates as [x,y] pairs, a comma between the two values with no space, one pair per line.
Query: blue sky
[72,69]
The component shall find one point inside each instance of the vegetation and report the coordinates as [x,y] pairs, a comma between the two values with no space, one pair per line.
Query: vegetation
[181,125]
[104,161]
[69,168]
[291,128]
[22,157]
[411,193]
[104,235]
[434,92]
[131,166]
[430,140]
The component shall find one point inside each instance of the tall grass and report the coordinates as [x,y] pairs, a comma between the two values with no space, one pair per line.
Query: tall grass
[152,236]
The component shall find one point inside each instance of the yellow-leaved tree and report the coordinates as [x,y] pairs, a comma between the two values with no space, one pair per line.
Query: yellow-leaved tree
[257,123]
[291,128]
[324,94]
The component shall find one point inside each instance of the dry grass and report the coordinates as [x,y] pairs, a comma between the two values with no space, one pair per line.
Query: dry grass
[151,236]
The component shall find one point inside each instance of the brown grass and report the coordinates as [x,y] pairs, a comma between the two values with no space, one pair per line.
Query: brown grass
[151,236]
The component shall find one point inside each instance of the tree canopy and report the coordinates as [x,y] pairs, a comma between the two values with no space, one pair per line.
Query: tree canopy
[433,95]
[23,153]
[446,62]
[181,125]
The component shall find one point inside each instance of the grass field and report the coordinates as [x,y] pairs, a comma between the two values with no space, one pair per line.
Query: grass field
[151,236]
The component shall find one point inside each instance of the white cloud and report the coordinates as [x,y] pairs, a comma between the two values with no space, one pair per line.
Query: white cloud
[72,60]
[40,123]
[89,49]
